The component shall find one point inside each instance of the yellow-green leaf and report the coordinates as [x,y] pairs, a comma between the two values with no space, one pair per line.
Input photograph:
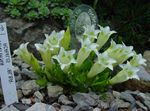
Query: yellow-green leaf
[65,42]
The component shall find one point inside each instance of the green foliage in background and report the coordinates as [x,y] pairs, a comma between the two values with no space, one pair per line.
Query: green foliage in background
[39,9]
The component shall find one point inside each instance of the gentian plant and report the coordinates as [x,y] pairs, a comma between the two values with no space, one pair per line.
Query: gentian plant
[89,68]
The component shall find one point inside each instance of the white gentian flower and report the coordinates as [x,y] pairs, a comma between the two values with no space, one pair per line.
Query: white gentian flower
[138,60]
[120,52]
[90,31]
[53,40]
[128,72]
[104,35]
[103,62]
[86,48]
[45,54]
[65,58]
[23,53]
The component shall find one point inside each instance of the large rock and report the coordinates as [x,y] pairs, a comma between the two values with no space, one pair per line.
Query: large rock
[147,57]
[142,85]
[20,31]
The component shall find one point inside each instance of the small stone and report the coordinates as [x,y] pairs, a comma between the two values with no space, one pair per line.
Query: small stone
[17,74]
[144,96]
[84,100]
[66,108]
[9,108]
[26,101]
[64,100]
[19,84]
[116,94]
[141,105]
[41,107]
[127,97]
[39,96]
[121,103]
[29,86]
[96,109]
[54,91]
[19,93]
[147,103]
[29,73]
[103,105]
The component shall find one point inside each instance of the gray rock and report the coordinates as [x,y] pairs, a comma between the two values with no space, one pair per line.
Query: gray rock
[26,101]
[9,108]
[141,105]
[64,100]
[66,108]
[17,74]
[84,100]
[147,103]
[41,107]
[103,105]
[21,107]
[143,74]
[39,96]
[144,96]
[19,84]
[54,91]
[146,55]
[96,109]
[29,73]
[29,87]
[116,94]
[121,104]
[19,93]
[128,97]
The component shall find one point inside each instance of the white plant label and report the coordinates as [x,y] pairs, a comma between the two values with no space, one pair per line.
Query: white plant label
[6,71]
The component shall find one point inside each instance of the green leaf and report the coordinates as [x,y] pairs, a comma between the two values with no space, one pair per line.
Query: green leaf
[42,82]
[65,42]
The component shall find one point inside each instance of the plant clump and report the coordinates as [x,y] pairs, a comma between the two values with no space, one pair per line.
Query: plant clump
[89,68]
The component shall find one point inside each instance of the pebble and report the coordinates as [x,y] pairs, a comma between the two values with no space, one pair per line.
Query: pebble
[84,99]
[127,97]
[29,73]
[26,101]
[54,91]
[147,103]
[66,108]
[96,109]
[41,107]
[121,104]
[141,105]
[64,100]
[39,96]
[29,87]
[9,108]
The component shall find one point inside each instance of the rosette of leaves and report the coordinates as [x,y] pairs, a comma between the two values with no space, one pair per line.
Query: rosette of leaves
[86,69]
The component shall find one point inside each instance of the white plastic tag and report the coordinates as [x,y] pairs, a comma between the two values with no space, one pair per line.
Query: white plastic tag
[6,71]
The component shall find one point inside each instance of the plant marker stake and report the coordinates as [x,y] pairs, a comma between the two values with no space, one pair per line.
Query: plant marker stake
[6,71]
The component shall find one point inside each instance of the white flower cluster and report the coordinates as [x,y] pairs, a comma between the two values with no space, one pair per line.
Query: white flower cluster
[116,54]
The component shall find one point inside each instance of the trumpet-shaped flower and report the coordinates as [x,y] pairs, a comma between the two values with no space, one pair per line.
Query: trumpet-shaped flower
[137,60]
[120,52]
[53,40]
[23,53]
[45,54]
[128,72]
[89,32]
[65,58]
[85,50]
[103,62]
[104,35]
